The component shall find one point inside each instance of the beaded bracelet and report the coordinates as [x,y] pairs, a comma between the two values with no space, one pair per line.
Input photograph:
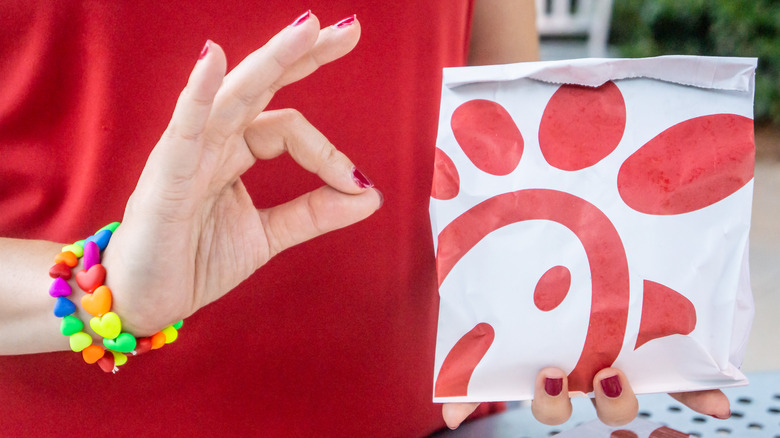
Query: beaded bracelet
[97,302]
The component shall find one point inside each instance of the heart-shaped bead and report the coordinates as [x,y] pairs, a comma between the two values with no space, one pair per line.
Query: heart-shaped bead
[80,341]
[70,325]
[91,254]
[92,353]
[170,334]
[110,227]
[59,288]
[101,238]
[119,358]
[108,326]
[158,340]
[106,363]
[68,258]
[78,250]
[98,303]
[144,345]
[124,343]
[90,279]
[60,270]
[63,307]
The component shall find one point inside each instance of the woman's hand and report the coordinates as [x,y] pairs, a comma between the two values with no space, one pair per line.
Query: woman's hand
[615,402]
[190,232]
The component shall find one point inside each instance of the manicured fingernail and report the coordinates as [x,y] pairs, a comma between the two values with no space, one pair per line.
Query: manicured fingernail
[726,417]
[360,179]
[302,18]
[553,387]
[345,22]
[205,50]
[611,386]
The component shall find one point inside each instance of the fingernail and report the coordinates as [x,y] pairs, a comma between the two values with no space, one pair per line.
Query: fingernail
[345,22]
[381,199]
[205,50]
[553,387]
[722,418]
[302,18]
[611,386]
[360,179]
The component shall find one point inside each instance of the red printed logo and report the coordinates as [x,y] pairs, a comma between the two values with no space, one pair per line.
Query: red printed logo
[691,165]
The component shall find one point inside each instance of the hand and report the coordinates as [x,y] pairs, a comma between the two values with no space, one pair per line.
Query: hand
[190,232]
[615,402]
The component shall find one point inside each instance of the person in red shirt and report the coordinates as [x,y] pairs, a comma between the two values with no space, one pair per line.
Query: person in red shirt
[331,338]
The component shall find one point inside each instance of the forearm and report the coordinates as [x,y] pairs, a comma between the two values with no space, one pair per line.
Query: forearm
[27,321]
[503,31]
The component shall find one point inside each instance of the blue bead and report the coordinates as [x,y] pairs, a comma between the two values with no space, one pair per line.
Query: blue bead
[63,307]
[101,238]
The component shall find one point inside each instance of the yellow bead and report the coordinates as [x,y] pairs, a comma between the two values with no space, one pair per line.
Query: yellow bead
[119,358]
[170,334]
[108,326]
[75,249]
[80,341]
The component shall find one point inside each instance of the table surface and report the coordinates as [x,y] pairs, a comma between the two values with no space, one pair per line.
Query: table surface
[755,413]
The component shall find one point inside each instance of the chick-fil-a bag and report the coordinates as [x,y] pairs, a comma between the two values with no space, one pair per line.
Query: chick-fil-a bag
[593,213]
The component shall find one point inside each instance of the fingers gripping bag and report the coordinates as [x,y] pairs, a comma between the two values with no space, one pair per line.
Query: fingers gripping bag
[593,213]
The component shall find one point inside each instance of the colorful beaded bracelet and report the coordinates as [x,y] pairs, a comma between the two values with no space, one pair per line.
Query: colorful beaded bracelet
[97,302]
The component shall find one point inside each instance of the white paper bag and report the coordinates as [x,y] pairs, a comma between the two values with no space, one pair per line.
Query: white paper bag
[593,213]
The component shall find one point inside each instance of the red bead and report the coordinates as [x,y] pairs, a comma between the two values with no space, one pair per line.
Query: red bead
[60,270]
[106,363]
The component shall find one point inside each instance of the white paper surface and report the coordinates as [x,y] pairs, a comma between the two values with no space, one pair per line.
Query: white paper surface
[583,227]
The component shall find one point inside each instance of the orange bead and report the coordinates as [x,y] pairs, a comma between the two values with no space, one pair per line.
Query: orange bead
[68,258]
[99,302]
[158,340]
[92,354]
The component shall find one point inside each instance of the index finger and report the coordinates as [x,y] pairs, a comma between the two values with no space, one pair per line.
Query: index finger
[250,86]
[240,99]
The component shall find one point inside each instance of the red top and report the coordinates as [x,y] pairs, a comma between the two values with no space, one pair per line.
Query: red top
[334,337]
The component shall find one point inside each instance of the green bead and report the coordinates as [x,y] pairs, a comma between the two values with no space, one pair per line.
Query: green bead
[178,325]
[124,343]
[110,227]
[70,325]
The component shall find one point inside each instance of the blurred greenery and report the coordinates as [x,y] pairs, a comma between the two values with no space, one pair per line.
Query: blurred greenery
[750,28]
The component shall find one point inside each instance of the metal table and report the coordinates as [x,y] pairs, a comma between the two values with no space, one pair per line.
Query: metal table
[755,412]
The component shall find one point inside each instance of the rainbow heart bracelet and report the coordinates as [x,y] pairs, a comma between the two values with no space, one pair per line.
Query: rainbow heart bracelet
[97,302]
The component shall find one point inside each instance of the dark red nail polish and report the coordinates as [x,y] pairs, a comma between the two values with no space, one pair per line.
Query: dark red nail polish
[553,387]
[360,179]
[302,18]
[611,386]
[345,22]
[205,50]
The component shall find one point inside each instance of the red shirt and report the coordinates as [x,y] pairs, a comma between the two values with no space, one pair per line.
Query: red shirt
[334,337]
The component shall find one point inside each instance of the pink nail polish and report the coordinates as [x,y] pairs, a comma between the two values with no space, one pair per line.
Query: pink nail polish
[553,387]
[345,22]
[612,387]
[205,50]
[361,179]
[302,18]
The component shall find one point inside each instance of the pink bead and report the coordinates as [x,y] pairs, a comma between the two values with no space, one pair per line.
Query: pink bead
[91,255]
[60,288]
